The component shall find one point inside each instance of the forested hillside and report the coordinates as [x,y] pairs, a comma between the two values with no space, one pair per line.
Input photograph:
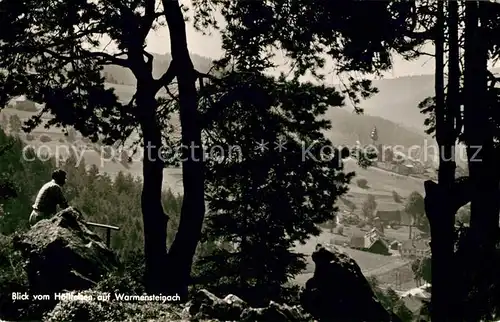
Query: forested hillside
[101,199]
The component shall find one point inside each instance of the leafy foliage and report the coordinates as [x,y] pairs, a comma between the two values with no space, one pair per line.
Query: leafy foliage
[12,279]
[422,269]
[427,107]
[307,31]
[415,206]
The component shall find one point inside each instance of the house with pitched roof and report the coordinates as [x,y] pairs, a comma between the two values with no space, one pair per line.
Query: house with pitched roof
[372,242]
[394,216]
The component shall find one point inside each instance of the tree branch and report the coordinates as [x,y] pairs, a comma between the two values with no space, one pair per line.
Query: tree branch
[203,75]
[109,59]
[148,19]
[166,78]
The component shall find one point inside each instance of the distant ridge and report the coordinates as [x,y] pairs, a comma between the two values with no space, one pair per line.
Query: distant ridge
[398,99]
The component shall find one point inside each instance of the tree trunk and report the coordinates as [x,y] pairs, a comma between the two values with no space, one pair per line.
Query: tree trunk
[479,132]
[481,158]
[438,199]
[193,207]
[155,244]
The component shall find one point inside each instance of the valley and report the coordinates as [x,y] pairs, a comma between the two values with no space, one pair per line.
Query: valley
[347,129]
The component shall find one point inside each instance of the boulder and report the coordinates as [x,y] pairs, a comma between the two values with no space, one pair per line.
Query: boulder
[62,253]
[207,305]
[338,291]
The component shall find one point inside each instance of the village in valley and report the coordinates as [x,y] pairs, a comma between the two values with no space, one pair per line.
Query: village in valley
[381,223]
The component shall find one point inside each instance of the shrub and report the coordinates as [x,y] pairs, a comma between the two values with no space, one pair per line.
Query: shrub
[362,183]
[12,279]
[45,138]
[340,230]
[30,137]
[396,197]
[86,310]
[113,311]
[128,279]
[61,141]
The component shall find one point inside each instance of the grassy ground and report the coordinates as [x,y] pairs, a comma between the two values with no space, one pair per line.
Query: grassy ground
[382,183]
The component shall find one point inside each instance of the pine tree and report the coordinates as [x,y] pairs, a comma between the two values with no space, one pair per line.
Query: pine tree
[263,201]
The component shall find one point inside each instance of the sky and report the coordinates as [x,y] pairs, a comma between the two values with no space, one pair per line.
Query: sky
[210,46]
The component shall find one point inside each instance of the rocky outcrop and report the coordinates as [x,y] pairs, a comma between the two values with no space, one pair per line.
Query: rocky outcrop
[62,253]
[338,291]
[205,305]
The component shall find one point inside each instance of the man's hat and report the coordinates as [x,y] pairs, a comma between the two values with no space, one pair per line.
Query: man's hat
[58,174]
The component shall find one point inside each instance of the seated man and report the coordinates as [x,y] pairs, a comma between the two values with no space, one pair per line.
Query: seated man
[49,196]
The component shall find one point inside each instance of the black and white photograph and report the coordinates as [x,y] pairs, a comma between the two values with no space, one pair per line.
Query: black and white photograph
[250,160]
